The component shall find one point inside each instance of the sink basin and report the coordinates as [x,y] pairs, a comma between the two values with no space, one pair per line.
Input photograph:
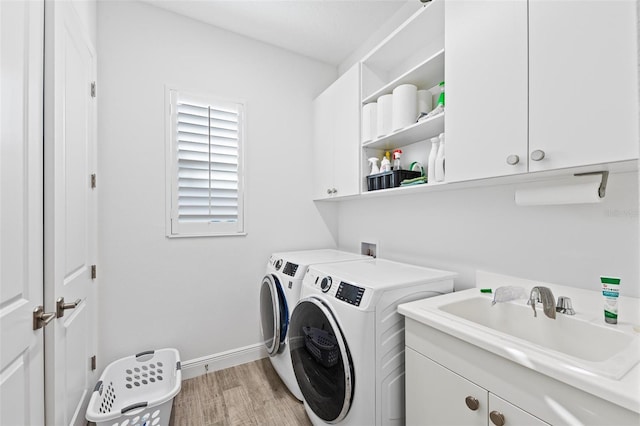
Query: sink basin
[581,345]
[583,340]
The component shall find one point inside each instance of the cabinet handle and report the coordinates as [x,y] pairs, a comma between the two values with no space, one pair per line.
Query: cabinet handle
[537,155]
[497,418]
[512,160]
[472,403]
[335,190]
[329,191]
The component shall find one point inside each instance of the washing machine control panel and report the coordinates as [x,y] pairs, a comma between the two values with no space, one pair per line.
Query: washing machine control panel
[350,293]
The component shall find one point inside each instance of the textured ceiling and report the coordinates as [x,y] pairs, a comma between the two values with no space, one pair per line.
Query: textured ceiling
[326,30]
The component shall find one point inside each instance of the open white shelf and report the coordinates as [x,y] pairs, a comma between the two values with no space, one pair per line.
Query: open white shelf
[425,75]
[422,130]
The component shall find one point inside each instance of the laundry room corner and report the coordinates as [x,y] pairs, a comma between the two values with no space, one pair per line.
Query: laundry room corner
[187,292]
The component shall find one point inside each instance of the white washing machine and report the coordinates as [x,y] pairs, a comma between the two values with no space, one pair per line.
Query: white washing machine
[346,338]
[279,293]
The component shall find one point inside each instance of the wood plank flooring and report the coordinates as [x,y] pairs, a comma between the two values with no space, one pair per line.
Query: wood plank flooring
[248,394]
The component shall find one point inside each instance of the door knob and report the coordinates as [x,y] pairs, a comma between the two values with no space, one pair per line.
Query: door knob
[513,159]
[41,318]
[537,155]
[61,306]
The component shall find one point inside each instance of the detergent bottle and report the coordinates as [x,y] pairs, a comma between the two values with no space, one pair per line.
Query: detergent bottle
[385,164]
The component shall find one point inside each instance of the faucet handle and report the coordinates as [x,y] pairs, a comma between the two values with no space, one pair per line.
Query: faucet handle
[564,306]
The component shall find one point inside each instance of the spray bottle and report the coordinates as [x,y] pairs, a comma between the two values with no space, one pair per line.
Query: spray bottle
[374,165]
[396,159]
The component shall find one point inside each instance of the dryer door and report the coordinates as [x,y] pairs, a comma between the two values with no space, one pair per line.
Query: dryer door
[274,315]
[321,360]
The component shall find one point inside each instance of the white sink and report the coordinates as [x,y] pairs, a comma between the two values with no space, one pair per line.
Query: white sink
[596,346]
[580,345]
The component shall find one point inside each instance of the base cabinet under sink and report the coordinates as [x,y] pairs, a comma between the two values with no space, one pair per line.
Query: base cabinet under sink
[441,371]
[437,396]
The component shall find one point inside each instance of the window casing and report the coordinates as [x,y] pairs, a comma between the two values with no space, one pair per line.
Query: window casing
[205,165]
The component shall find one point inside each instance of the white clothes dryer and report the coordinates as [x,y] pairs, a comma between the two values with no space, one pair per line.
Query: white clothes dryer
[346,338]
[279,293]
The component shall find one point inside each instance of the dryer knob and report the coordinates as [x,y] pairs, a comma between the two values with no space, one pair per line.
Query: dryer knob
[278,264]
[325,284]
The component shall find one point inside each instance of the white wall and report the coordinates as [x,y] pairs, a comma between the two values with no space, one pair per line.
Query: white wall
[199,295]
[481,228]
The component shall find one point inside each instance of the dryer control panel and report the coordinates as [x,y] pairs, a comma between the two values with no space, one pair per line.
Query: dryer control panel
[350,293]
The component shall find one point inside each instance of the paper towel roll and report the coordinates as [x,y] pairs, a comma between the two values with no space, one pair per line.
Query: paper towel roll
[369,121]
[385,107]
[405,106]
[425,101]
[581,193]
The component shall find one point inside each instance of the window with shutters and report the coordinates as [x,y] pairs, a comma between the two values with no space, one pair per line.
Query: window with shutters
[205,139]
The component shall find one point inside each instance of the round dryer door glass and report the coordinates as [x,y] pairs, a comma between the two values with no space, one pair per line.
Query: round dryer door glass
[274,315]
[321,360]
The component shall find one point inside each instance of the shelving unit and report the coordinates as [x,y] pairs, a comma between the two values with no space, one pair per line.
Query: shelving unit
[413,54]
[427,74]
[422,130]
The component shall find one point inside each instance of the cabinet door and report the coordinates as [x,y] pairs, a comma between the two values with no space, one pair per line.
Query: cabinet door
[486,88]
[346,122]
[436,396]
[583,89]
[511,415]
[336,137]
[322,149]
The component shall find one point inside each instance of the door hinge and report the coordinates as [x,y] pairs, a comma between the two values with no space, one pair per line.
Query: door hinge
[93,89]
[93,363]
[94,272]
[93,181]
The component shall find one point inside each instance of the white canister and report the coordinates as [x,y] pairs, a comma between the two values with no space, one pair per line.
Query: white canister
[425,101]
[405,104]
[369,122]
[385,107]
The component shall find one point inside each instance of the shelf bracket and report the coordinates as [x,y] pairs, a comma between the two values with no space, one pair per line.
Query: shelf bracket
[603,183]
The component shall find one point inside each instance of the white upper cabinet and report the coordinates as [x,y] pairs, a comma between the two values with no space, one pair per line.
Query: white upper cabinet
[336,138]
[539,85]
[486,88]
[583,82]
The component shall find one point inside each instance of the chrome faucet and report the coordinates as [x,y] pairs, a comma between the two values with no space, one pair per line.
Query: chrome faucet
[545,296]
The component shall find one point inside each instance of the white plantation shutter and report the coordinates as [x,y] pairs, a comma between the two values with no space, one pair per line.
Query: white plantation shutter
[207,146]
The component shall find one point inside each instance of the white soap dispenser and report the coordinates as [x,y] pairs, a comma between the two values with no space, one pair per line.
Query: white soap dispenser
[440,160]
[431,166]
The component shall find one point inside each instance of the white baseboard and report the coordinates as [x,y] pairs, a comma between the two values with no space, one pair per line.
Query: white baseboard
[206,364]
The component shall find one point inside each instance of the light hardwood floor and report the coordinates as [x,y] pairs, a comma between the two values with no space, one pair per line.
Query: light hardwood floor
[248,394]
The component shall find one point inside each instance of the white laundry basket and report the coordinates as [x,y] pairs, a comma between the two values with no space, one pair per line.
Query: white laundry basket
[137,390]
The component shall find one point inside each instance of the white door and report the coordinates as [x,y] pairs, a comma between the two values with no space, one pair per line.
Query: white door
[21,210]
[70,206]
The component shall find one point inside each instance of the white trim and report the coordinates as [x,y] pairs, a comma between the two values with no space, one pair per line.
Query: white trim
[209,363]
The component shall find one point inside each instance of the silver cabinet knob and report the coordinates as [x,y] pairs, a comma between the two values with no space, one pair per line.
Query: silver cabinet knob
[329,191]
[472,403]
[497,418]
[334,190]
[537,155]
[513,159]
